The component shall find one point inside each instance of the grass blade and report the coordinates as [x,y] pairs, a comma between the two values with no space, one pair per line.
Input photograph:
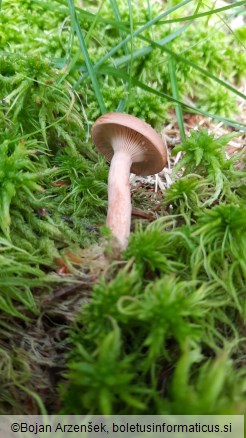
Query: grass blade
[161,44]
[204,14]
[122,33]
[129,37]
[175,91]
[85,53]
[123,75]
[130,66]
[94,22]
[140,52]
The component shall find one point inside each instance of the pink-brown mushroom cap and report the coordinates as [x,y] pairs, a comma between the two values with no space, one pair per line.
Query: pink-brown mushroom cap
[117,130]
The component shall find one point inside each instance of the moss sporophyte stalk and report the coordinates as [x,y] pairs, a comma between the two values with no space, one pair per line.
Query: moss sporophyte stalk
[159,329]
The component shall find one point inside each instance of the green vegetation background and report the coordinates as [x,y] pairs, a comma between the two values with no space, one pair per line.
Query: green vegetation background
[163,331]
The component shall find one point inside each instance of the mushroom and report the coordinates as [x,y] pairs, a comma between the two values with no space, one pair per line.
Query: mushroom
[132,146]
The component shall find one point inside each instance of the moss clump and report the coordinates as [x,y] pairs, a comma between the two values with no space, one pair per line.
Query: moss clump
[172,317]
[49,31]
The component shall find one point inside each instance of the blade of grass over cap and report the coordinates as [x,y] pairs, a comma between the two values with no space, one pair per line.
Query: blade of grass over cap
[130,65]
[94,22]
[203,14]
[175,91]
[146,50]
[141,52]
[154,21]
[129,37]
[233,32]
[161,44]
[205,72]
[123,33]
[86,56]
[149,13]
[81,13]
[116,12]
[55,4]
[123,75]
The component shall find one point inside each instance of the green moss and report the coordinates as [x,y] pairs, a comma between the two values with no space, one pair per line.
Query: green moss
[167,316]
[204,155]
[175,310]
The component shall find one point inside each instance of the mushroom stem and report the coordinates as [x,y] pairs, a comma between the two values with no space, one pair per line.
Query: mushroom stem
[119,197]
